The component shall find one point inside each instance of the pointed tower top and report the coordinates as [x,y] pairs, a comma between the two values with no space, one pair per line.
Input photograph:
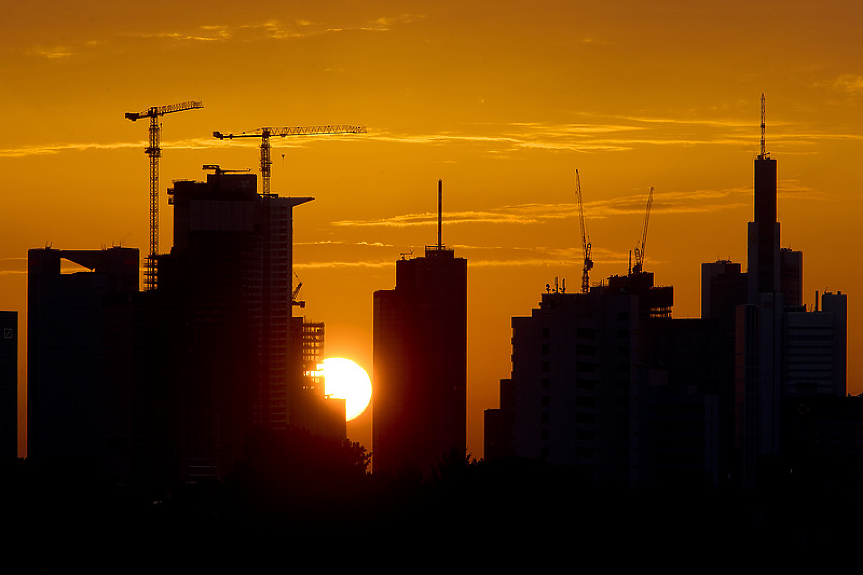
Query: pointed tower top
[764,155]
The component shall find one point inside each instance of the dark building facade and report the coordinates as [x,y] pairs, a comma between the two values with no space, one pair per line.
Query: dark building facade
[72,335]
[224,299]
[420,363]
[574,370]
[8,385]
[165,385]
[781,349]
[606,383]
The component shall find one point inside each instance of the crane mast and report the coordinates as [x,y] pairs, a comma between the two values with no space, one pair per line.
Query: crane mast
[585,238]
[267,132]
[154,150]
[639,250]
[764,152]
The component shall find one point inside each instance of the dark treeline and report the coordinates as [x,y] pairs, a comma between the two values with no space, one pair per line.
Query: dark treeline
[293,490]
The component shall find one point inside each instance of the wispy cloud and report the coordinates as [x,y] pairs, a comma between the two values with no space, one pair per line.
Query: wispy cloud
[699,201]
[55,148]
[213,33]
[343,243]
[850,83]
[52,53]
[13,266]
[342,264]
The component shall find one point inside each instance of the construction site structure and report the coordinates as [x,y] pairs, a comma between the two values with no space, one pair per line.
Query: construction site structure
[154,150]
[639,249]
[585,238]
[267,132]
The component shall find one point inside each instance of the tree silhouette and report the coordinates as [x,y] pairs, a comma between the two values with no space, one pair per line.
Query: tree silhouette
[297,475]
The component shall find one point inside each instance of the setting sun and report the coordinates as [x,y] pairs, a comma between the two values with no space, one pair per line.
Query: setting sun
[346,380]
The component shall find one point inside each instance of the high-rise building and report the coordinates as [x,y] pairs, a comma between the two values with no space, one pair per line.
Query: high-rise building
[574,368]
[763,271]
[72,334]
[420,362]
[607,383]
[782,350]
[8,385]
[224,294]
[815,349]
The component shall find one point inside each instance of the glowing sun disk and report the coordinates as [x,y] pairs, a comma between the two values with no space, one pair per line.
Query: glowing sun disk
[344,379]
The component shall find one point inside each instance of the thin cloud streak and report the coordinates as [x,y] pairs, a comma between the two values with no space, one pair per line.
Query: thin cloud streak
[473,262]
[671,203]
[271,30]
[552,138]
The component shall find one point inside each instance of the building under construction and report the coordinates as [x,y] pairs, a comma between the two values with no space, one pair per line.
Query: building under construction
[224,295]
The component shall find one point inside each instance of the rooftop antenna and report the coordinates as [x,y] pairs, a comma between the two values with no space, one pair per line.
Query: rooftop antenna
[439,212]
[764,152]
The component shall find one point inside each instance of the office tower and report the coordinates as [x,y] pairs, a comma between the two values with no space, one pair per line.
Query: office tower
[782,350]
[791,276]
[574,368]
[72,334]
[8,385]
[763,245]
[225,297]
[723,288]
[599,385]
[420,361]
[815,349]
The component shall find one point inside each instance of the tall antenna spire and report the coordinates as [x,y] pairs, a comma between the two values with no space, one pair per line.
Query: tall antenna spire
[439,212]
[764,152]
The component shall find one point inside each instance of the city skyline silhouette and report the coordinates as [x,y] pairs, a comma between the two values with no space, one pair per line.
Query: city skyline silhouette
[501,105]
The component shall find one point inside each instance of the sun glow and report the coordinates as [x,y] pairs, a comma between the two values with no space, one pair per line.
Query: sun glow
[344,379]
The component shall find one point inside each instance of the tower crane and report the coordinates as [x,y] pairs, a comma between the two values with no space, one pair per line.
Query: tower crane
[296,293]
[154,150]
[639,249]
[267,132]
[585,238]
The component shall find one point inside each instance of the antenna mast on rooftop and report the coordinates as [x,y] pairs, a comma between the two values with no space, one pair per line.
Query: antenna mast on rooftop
[439,212]
[764,152]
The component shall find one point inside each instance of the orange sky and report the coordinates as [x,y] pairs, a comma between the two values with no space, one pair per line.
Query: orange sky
[502,100]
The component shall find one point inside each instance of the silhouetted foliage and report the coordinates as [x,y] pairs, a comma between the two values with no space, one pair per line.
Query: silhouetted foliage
[295,475]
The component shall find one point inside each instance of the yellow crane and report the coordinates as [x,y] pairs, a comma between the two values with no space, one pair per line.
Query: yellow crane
[585,238]
[154,150]
[266,133]
[639,249]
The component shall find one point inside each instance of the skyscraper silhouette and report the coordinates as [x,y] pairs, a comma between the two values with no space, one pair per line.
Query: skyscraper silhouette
[420,361]
[8,385]
[73,370]
[782,349]
[224,295]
